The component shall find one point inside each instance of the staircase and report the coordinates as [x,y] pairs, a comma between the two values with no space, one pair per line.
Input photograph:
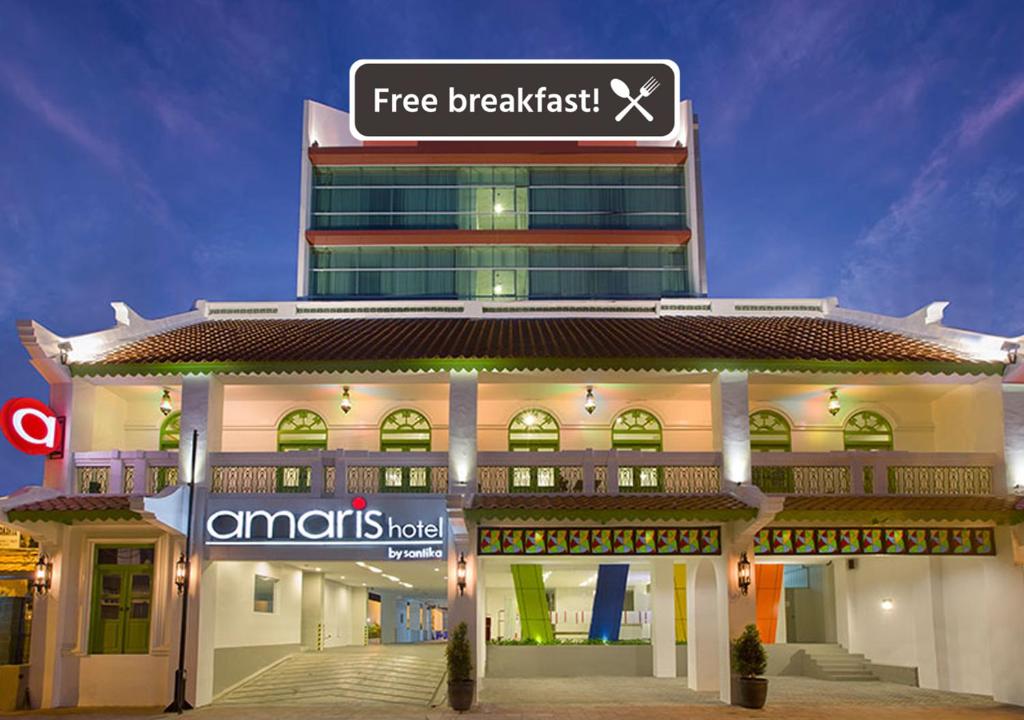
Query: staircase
[833,662]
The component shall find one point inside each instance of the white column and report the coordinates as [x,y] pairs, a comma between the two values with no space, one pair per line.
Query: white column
[203,631]
[1013,436]
[462,410]
[726,616]
[202,409]
[53,673]
[730,417]
[701,626]
[663,623]
[1004,598]
[57,474]
[468,607]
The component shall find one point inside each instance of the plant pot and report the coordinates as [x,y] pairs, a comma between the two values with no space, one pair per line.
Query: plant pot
[753,691]
[460,694]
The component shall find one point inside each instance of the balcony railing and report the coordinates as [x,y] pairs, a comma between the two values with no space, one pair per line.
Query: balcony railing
[319,473]
[874,473]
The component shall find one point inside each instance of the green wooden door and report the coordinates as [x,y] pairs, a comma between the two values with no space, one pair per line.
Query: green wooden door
[122,601]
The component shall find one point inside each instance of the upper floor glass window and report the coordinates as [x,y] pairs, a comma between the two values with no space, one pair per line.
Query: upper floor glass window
[498,198]
[534,430]
[867,430]
[769,432]
[500,272]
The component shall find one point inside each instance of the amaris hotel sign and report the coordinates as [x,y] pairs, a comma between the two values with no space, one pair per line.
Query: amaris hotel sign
[383,528]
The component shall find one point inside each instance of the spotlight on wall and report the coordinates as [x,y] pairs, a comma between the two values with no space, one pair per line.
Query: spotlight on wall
[165,403]
[833,402]
[887,604]
[346,400]
[43,577]
[460,574]
[64,348]
[181,573]
[743,574]
[590,404]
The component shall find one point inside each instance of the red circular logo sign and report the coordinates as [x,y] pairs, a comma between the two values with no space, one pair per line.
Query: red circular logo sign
[31,426]
[359,503]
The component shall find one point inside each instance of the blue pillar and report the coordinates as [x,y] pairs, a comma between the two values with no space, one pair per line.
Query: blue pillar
[609,596]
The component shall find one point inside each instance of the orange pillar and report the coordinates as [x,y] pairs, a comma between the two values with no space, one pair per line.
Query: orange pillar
[768,584]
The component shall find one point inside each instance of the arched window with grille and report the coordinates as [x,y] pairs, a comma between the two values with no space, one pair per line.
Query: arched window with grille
[867,430]
[638,430]
[405,430]
[299,430]
[534,430]
[770,432]
[170,432]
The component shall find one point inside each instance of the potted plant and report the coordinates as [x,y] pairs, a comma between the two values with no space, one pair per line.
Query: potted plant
[461,684]
[749,662]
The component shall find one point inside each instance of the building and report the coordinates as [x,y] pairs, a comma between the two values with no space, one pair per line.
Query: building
[504,398]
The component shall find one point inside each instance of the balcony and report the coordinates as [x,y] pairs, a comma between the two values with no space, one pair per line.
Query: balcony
[568,472]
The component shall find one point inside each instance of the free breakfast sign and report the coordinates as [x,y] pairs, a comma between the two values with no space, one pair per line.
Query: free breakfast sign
[346,528]
[514,99]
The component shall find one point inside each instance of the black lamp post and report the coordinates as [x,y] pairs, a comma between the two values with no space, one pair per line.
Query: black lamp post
[181,579]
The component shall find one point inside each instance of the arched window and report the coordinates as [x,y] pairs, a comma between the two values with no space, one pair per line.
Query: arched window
[637,430]
[769,432]
[534,430]
[299,430]
[404,430]
[170,431]
[867,430]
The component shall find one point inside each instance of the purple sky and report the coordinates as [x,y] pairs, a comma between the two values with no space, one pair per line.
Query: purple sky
[149,152]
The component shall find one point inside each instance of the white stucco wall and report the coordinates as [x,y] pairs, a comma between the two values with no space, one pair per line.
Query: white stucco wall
[344,614]
[937,623]
[238,625]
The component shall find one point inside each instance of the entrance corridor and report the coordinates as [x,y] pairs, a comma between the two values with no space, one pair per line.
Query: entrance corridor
[393,674]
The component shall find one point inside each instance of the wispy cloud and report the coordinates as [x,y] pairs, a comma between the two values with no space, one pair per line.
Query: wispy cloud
[74,128]
[898,257]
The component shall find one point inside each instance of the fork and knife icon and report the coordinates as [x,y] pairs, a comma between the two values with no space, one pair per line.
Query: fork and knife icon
[621,89]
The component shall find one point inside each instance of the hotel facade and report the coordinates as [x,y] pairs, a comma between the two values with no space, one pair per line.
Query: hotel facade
[503,397]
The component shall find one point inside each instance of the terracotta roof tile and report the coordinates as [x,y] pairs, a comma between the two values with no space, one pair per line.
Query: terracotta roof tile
[531,342]
[77,503]
[847,503]
[642,502]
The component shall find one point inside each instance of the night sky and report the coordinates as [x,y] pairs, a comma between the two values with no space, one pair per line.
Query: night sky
[149,152]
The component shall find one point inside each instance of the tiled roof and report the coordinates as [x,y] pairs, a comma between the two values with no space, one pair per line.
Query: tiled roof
[625,506]
[913,507]
[524,343]
[73,503]
[68,509]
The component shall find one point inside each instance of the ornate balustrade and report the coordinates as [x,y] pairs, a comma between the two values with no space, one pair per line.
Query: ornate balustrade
[581,471]
[877,473]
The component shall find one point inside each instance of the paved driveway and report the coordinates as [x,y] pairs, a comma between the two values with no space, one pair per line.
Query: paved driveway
[789,698]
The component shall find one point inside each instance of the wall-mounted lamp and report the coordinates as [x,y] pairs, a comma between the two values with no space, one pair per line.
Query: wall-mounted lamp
[1011,349]
[743,574]
[460,574]
[43,577]
[64,348]
[833,402]
[181,573]
[346,400]
[589,404]
[165,403]
[887,604]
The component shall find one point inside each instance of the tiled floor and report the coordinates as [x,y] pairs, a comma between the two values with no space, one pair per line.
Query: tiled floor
[789,698]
